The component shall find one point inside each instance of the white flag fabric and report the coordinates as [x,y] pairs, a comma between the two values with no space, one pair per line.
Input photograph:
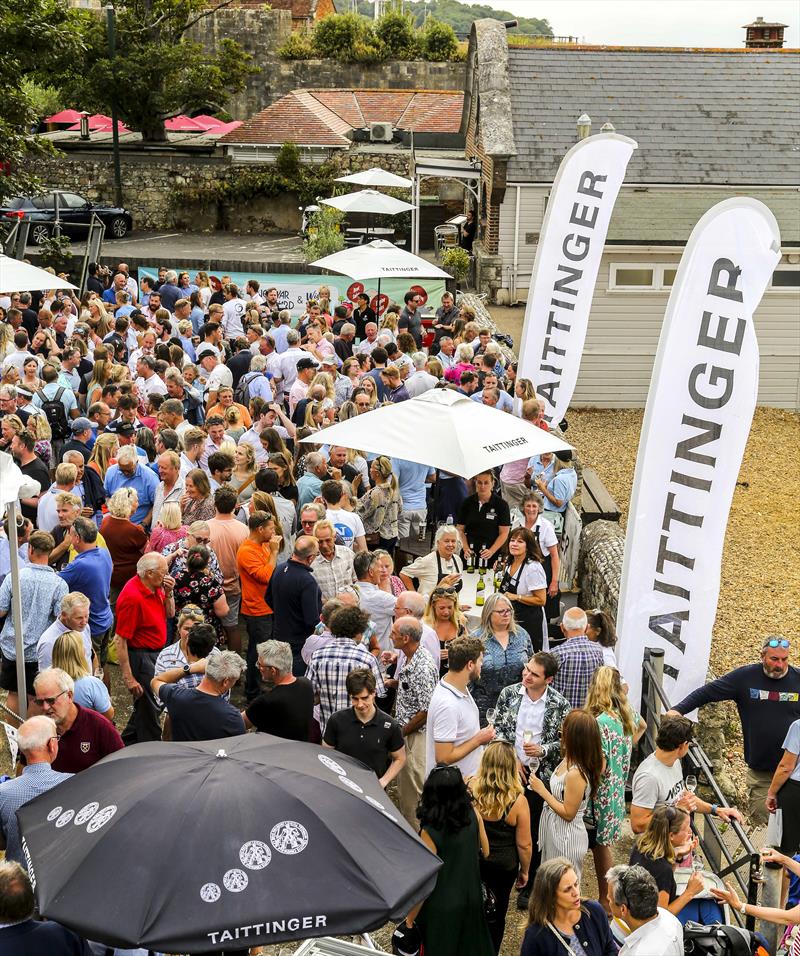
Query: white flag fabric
[698,416]
[566,265]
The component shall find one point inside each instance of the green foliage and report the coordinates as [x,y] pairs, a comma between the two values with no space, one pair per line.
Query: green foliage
[44,100]
[461,15]
[239,185]
[299,46]
[337,36]
[159,70]
[438,41]
[55,252]
[456,261]
[397,35]
[32,34]
[325,235]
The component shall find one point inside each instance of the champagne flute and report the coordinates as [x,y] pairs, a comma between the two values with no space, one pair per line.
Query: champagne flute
[691,782]
[491,713]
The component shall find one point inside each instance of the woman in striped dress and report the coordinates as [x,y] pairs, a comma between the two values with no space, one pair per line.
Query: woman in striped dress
[562,831]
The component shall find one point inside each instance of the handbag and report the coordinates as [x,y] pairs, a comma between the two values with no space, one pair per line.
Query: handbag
[489,903]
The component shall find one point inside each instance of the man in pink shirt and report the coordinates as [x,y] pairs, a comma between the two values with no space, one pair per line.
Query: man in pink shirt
[512,474]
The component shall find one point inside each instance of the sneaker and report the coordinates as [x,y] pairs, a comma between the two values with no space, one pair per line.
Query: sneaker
[523,898]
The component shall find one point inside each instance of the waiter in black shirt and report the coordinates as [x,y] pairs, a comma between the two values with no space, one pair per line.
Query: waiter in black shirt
[484,520]
[363,314]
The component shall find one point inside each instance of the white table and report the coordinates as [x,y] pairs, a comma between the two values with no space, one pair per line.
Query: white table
[468,593]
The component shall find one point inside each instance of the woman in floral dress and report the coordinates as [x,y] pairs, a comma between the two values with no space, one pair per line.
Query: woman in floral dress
[620,728]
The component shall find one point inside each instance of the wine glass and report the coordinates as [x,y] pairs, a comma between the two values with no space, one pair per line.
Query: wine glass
[491,713]
[691,782]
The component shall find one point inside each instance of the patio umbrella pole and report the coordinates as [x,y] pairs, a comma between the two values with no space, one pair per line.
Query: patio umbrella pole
[16,607]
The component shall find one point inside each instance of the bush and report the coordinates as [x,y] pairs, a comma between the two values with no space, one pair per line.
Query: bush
[325,234]
[396,33]
[55,253]
[336,36]
[456,261]
[438,41]
[287,162]
[299,46]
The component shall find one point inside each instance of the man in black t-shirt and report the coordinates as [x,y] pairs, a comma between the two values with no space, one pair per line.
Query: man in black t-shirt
[484,520]
[202,713]
[366,733]
[287,708]
[32,467]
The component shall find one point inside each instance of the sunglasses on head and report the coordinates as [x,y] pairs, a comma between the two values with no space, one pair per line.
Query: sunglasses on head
[778,642]
[444,592]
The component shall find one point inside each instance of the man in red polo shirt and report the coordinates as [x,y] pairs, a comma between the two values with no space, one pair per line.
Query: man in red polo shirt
[143,606]
[84,736]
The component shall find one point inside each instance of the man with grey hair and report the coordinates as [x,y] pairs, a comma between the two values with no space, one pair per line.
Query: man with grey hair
[84,736]
[287,708]
[129,472]
[420,380]
[578,658]
[143,606]
[38,743]
[309,485]
[169,291]
[633,898]
[290,356]
[202,712]
[74,616]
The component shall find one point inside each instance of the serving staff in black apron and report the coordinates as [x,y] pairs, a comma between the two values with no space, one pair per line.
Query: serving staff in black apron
[483,522]
[531,509]
[440,566]
[525,585]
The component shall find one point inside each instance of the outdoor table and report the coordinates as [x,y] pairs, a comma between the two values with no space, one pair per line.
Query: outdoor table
[468,595]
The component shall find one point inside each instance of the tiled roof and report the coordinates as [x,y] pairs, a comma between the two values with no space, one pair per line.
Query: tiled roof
[699,116]
[325,118]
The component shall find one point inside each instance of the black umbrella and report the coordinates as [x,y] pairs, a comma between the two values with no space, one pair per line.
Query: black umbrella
[201,847]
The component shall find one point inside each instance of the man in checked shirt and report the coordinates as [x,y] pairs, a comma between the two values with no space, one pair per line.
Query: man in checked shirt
[578,658]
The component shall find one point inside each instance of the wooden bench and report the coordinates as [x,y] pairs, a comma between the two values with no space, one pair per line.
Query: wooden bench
[596,502]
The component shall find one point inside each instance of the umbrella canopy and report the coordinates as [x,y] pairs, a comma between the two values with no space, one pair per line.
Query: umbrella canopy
[185,124]
[101,125]
[376,177]
[65,116]
[443,429]
[17,276]
[380,259]
[368,200]
[228,843]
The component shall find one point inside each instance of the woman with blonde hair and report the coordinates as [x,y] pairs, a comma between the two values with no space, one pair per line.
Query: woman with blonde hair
[69,653]
[10,425]
[125,540]
[234,428]
[388,323]
[104,451]
[244,471]
[6,339]
[11,375]
[168,529]
[97,318]
[499,799]
[524,390]
[443,614]
[329,401]
[101,372]
[379,508]
[620,728]
[369,386]
[314,419]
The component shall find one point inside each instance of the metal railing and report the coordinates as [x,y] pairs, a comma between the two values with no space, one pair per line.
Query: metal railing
[744,856]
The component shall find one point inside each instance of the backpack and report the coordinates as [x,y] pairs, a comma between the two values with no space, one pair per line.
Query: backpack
[242,393]
[56,414]
[720,940]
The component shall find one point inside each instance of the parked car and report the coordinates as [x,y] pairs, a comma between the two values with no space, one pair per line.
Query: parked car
[74,214]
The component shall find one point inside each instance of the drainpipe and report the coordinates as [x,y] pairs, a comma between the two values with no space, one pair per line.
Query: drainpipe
[513,290]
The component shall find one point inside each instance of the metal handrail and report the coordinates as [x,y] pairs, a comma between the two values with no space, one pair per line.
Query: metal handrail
[653,695]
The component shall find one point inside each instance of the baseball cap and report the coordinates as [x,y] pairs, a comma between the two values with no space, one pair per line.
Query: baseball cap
[120,428]
[206,350]
[329,360]
[305,363]
[25,392]
[81,425]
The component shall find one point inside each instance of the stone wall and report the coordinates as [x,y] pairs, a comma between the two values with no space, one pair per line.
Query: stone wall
[262,32]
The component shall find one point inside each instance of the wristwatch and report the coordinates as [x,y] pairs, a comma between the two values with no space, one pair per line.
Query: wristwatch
[714,808]
[187,670]
[742,909]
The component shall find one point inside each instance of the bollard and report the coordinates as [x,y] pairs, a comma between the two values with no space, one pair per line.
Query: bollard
[771,896]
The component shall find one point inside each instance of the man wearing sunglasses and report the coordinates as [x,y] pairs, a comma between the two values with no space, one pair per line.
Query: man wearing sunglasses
[767,696]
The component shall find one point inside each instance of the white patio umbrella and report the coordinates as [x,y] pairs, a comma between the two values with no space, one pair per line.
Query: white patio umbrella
[17,276]
[380,259]
[443,429]
[376,177]
[368,200]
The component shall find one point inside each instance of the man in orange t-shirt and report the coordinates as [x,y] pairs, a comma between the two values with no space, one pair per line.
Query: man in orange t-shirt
[256,560]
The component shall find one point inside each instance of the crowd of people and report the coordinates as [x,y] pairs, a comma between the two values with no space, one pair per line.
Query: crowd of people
[242,580]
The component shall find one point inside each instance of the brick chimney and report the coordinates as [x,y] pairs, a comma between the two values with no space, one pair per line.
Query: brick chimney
[764,36]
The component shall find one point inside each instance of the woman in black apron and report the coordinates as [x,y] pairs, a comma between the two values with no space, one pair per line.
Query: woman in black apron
[525,584]
[531,509]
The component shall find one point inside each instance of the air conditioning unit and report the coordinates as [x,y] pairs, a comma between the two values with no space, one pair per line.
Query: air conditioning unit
[380,132]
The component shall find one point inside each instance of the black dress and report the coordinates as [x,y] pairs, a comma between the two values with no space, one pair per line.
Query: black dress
[499,870]
[529,616]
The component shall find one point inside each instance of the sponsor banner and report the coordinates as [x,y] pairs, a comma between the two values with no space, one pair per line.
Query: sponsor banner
[296,290]
[698,416]
[565,269]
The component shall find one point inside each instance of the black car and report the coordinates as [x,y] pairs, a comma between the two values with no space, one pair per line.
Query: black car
[74,213]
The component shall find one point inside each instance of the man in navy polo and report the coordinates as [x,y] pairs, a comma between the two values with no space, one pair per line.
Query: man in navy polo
[296,599]
[90,574]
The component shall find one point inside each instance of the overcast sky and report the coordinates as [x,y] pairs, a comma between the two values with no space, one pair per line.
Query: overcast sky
[705,23]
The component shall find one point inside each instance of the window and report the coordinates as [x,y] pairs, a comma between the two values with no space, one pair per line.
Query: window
[641,277]
[788,278]
[71,201]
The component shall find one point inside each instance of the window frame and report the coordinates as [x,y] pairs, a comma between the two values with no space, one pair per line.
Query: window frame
[785,289]
[657,284]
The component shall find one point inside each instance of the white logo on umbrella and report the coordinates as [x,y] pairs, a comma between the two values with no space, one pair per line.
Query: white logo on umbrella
[235,880]
[330,764]
[289,837]
[55,812]
[101,818]
[65,817]
[375,803]
[255,855]
[210,892]
[86,813]
[389,816]
[350,783]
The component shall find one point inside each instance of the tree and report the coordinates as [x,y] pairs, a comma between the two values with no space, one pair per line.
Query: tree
[461,15]
[36,34]
[159,71]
